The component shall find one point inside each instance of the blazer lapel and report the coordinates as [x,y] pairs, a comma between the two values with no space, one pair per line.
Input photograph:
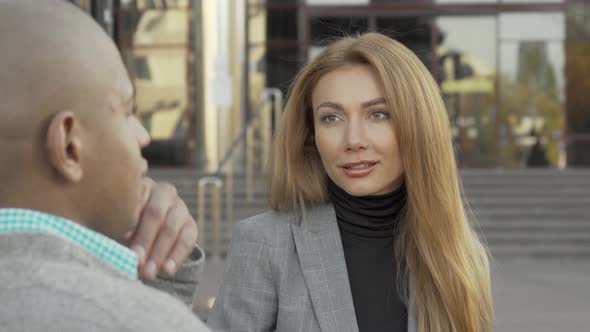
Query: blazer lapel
[319,247]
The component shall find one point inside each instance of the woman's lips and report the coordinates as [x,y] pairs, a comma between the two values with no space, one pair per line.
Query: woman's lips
[358,170]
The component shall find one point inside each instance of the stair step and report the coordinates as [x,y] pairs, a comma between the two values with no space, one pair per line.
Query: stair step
[545,250]
[522,237]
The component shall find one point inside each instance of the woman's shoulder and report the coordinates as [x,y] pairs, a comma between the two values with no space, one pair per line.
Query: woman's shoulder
[270,220]
[278,223]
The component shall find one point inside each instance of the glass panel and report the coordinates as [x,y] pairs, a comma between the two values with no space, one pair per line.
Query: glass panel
[413,32]
[282,24]
[578,21]
[578,89]
[465,1]
[324,30]
[336,2]
[466,72]
[578,74]
[400,1]
[151,4]
[578,154]
[154,44]
[537,26]
[283,65]
[533,1]
[532,82]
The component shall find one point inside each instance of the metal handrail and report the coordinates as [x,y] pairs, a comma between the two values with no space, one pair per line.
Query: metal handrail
[277,96]
[216,178]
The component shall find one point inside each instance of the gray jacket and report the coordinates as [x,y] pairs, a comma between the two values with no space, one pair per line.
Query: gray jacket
[288,273]
[48,283]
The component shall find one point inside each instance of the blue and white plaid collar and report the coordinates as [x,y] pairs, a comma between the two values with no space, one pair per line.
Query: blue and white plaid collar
[108,250]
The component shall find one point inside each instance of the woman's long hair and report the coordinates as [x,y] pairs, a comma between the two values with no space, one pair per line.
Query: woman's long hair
[448,264]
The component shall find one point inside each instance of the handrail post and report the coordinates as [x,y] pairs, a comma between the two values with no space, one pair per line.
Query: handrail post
[266,129]
[249,163]
[229,192]
[217,183]
[277,105]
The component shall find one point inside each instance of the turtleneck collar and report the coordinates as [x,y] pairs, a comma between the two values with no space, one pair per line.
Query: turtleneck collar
[368,216]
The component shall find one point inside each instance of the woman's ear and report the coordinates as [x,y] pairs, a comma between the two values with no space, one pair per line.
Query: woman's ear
[64,145]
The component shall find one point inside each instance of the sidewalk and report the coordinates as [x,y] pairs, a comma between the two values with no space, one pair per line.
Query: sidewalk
[530,295]
[542,295]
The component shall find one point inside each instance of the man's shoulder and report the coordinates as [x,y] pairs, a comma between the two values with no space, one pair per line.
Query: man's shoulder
[50,290]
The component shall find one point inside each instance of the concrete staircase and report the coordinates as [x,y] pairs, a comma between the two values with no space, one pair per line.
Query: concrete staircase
[540,213]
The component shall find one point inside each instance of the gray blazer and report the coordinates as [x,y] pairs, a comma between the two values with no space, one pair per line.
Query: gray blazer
[287,273]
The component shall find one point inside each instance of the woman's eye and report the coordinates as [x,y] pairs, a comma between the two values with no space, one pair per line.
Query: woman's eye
[380,115]
[329,118]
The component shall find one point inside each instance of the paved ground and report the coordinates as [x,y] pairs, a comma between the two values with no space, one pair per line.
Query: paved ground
[531,295]
[542,295]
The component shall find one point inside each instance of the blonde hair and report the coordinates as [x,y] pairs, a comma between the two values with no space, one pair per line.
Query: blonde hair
[448,264]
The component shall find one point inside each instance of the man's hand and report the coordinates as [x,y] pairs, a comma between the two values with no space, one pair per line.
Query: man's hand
[166,233]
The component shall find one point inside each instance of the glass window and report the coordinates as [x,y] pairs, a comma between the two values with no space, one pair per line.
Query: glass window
[579,154]
[531,76]
[465,1]
[578,21]
[142,69]
[414,32]
[324,30]
[337,2]
[533,1]
[282,24]
[282,65]
[400,1]
[154,40]
[466,72]
[578,88]
[164,4]
[529,26]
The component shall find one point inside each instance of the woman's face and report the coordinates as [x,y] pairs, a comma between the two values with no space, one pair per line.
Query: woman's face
[354,133]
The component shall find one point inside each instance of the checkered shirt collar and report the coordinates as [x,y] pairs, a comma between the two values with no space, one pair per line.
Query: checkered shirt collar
[106,249]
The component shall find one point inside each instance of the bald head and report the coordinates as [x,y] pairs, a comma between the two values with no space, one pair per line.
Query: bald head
[54,57]
[65,103]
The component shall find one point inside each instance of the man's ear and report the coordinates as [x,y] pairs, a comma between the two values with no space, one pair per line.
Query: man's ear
[64,145]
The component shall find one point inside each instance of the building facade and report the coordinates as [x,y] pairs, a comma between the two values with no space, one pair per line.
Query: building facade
[513,73]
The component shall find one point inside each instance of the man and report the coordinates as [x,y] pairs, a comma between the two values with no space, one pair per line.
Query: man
[73,186]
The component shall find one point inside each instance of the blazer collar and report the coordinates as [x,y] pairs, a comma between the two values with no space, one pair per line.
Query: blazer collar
[318,219]
[321,255]
[320,251]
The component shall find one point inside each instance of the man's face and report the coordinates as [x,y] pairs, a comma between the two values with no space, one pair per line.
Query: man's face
[115,171]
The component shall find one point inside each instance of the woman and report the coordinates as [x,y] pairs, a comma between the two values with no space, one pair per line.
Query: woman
[368,230]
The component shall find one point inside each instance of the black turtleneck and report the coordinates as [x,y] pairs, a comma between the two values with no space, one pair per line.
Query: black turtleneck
[368,231]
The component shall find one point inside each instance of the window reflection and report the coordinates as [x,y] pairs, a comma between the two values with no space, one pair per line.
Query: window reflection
[413,31]
[324,30]
[466,73]
[154,40]
[578,21]
[531,76]
[578,74]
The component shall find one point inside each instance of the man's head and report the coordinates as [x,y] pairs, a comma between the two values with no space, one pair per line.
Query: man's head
[69,143]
